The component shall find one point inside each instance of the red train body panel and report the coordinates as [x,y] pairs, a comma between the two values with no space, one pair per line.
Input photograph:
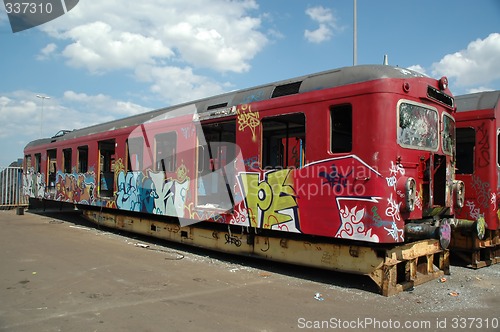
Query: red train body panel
[361,153]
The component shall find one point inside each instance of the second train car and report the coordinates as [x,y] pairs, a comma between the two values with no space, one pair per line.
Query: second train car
[478,166]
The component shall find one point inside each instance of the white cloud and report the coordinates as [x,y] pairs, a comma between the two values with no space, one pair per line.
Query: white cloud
[327,24]
[219,35]
[47,51]
[98,108]
[99,48]
[418,69]
[111,34]
[177,84]
[476,65]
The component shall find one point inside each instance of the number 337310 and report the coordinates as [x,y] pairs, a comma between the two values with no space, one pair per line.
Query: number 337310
[28,8]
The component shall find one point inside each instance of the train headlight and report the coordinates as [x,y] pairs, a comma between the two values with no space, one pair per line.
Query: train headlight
[408,186]
[443,83]
[459,193]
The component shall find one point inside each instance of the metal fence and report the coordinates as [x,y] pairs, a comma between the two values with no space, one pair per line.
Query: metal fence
[11,188]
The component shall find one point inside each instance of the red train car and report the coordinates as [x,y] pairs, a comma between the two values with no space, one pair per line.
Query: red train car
[333,169]
[478,130]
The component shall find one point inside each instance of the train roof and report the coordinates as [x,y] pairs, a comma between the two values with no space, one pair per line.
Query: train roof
[311,82]
[478,101]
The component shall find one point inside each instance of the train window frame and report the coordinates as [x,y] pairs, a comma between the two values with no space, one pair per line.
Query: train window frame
[299,132]
[168,164]
[82,163]
[465,161]
[341,131]
[445,138]
[67,159]
[399,130]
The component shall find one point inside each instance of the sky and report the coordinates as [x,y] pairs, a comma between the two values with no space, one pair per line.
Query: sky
[105,60]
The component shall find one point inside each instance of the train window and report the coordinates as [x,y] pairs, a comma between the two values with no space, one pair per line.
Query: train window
[83,159]
[466,140]
[51,169]
[341,128]
[38,162]
[135,148]
[166,145]
[283,141]
[67,160]
[448,134]
[418,126]
[106,168]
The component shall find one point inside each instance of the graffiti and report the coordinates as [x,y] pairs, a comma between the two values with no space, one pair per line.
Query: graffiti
[474,212]
[336,180]
[376,217]
[395,232]
[393,209]
[33,184]
[493,201]
[252,163]
[248,119]
[232,240]
[128,194]
[482,190]
[170,194]
[152,193]
[253,97]
[418,199]
[483,156]
[352,226]
[75,187]
[270,201]
[396,169]
[391,182]
[239,216]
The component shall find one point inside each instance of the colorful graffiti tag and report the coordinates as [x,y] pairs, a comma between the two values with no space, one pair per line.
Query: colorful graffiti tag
[270,201]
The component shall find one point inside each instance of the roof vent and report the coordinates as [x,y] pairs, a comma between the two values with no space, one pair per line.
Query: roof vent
[216,106]
[286,89]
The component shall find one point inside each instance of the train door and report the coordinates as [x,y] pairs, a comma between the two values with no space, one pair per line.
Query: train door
[51,170]
[106,174]
[216,169]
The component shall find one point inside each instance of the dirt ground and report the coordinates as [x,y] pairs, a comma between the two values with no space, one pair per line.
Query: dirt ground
[60,273]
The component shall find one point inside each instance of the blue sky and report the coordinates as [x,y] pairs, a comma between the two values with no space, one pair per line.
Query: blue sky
[105,60]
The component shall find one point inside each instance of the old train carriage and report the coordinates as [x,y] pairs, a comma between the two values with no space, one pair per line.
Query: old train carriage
[337,169]
[478,130]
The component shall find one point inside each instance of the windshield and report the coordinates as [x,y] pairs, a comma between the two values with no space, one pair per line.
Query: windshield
[418,127]
[448,134]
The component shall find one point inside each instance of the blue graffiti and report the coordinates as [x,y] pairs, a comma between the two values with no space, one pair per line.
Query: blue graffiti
[135,192]
[335,179]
